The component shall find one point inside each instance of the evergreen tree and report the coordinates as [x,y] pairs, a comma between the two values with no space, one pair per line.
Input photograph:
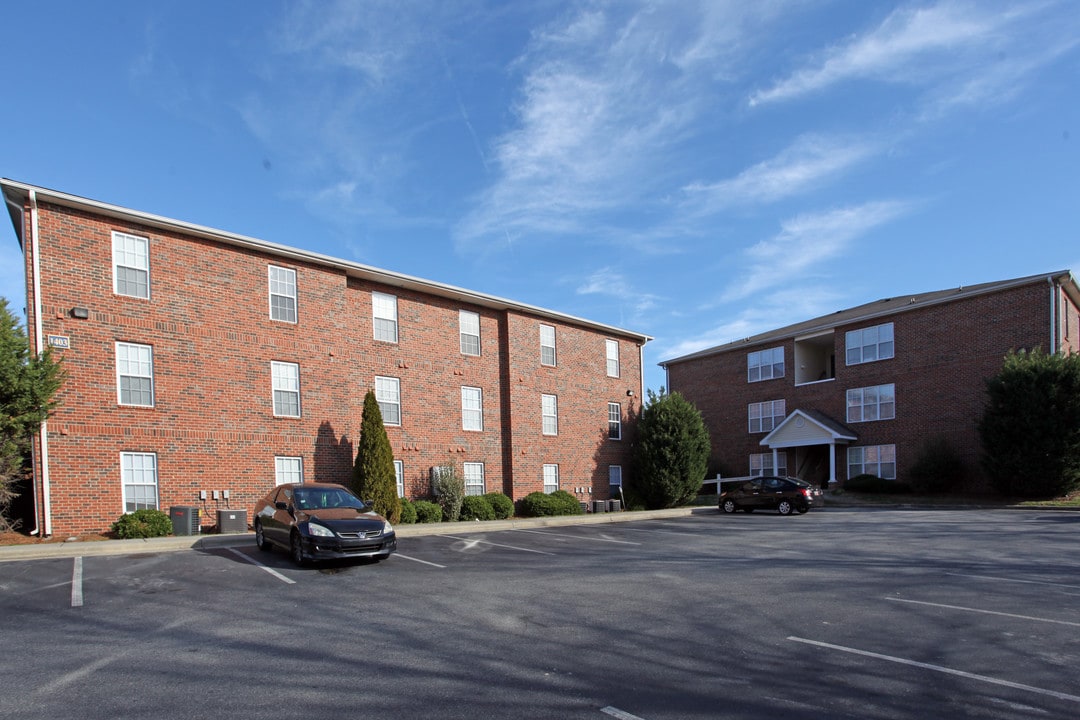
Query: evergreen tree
[28,387]
[671,454]
[1030,429]
[373,474]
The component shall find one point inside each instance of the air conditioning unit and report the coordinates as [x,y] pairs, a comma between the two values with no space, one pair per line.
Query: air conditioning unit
[614,505]
[185,520]
[232,521]
[599,506]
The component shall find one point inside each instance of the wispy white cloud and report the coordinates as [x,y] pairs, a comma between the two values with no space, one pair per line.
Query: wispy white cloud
[806,164]
[806,242]
[609,282]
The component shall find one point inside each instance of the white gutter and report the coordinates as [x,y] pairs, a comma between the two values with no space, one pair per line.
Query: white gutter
[39,340]
[1053,316]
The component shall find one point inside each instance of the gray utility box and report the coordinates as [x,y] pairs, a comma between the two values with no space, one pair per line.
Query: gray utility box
[614,505]
[599,506]
[185,520]
[232,521]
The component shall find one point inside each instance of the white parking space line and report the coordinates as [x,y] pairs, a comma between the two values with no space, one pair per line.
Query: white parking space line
[617,713]
[476,541]
[76,584]
[984,612]
[940,669]
[255,562]
[1015,580]
[418,560]
[576,537]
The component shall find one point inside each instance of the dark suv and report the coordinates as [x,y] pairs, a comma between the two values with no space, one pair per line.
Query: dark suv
[782,494]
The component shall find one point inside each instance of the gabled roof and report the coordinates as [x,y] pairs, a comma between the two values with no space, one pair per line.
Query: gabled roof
[808,427]
[884,307]
[16,194]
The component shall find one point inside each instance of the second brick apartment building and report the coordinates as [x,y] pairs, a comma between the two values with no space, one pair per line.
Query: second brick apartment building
[863,390]
[202,362]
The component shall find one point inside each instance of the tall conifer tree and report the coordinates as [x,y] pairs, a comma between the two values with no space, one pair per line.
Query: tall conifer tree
[373,474]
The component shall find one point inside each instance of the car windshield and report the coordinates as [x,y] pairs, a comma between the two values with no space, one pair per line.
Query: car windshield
[321,498]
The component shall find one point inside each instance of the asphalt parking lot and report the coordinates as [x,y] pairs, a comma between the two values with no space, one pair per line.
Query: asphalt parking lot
[840,613]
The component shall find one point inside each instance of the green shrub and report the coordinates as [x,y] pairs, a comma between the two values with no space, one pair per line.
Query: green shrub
[501,505]
[476,507]
[867,483]
[408,512]
[540,504]
[449,488]
[427,511]
[938,469]
[143,523]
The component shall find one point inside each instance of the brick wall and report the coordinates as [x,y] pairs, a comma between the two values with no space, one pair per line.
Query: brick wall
[212,426]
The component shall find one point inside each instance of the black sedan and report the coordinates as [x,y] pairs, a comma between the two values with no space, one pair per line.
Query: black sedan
[321,521]
[783,494]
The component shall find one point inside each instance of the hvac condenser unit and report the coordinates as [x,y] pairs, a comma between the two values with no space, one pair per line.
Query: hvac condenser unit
[232,521]
[185,520]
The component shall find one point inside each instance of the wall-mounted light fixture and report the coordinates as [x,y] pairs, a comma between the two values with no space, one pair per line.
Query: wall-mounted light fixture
[629,393]
[80,313]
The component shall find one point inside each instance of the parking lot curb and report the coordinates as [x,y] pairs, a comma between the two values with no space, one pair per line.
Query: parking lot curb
[70,549]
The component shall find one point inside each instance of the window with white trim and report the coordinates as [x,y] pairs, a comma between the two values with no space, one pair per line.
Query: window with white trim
[612,350]
[388,395]
[614,476]
[869,344]
[762,464]
[878,460]
[288,469]
[867,404]
[469,330]
[765,364]
[614,421]
[286,381]
[134,374]
[474,478]
[549,411]
[139,478]
[399,477]
[547,345]
[551,478]
[472,408]
[384,316]
[131,265]
[764,416]
[282,284]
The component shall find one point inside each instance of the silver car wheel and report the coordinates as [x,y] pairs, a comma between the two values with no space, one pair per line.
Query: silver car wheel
[784,508]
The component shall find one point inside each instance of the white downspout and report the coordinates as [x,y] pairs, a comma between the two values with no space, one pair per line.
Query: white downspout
[39,340]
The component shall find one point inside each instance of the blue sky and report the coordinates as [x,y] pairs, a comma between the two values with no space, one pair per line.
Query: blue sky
[696,171]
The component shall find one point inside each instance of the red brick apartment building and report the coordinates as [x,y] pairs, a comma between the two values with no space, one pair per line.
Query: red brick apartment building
[862,390]
[204,367]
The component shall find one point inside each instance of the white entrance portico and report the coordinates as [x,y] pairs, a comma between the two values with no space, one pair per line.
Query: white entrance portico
[809,427]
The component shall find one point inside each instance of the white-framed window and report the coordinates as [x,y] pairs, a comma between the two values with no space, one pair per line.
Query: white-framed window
[547,345]
[131,265]
[869,344]
[469,329]
[384,316]
[286,381]
[612,350]
[762,464]
[288,469]
[399,477]
[614,476]
[549,412]
[614,421]
[472,408]
[282,284]
[878,460]
[134,374]
[139,477]
[551,478]
[866,404]
[764,416]
[765,364]
[388,395]
[474,478]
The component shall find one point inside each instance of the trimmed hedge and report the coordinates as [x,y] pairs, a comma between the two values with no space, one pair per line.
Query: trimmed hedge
[540,504]
[501,504]
[408,512]
[873,484]
[143,523]
[476,507]
[427,511]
